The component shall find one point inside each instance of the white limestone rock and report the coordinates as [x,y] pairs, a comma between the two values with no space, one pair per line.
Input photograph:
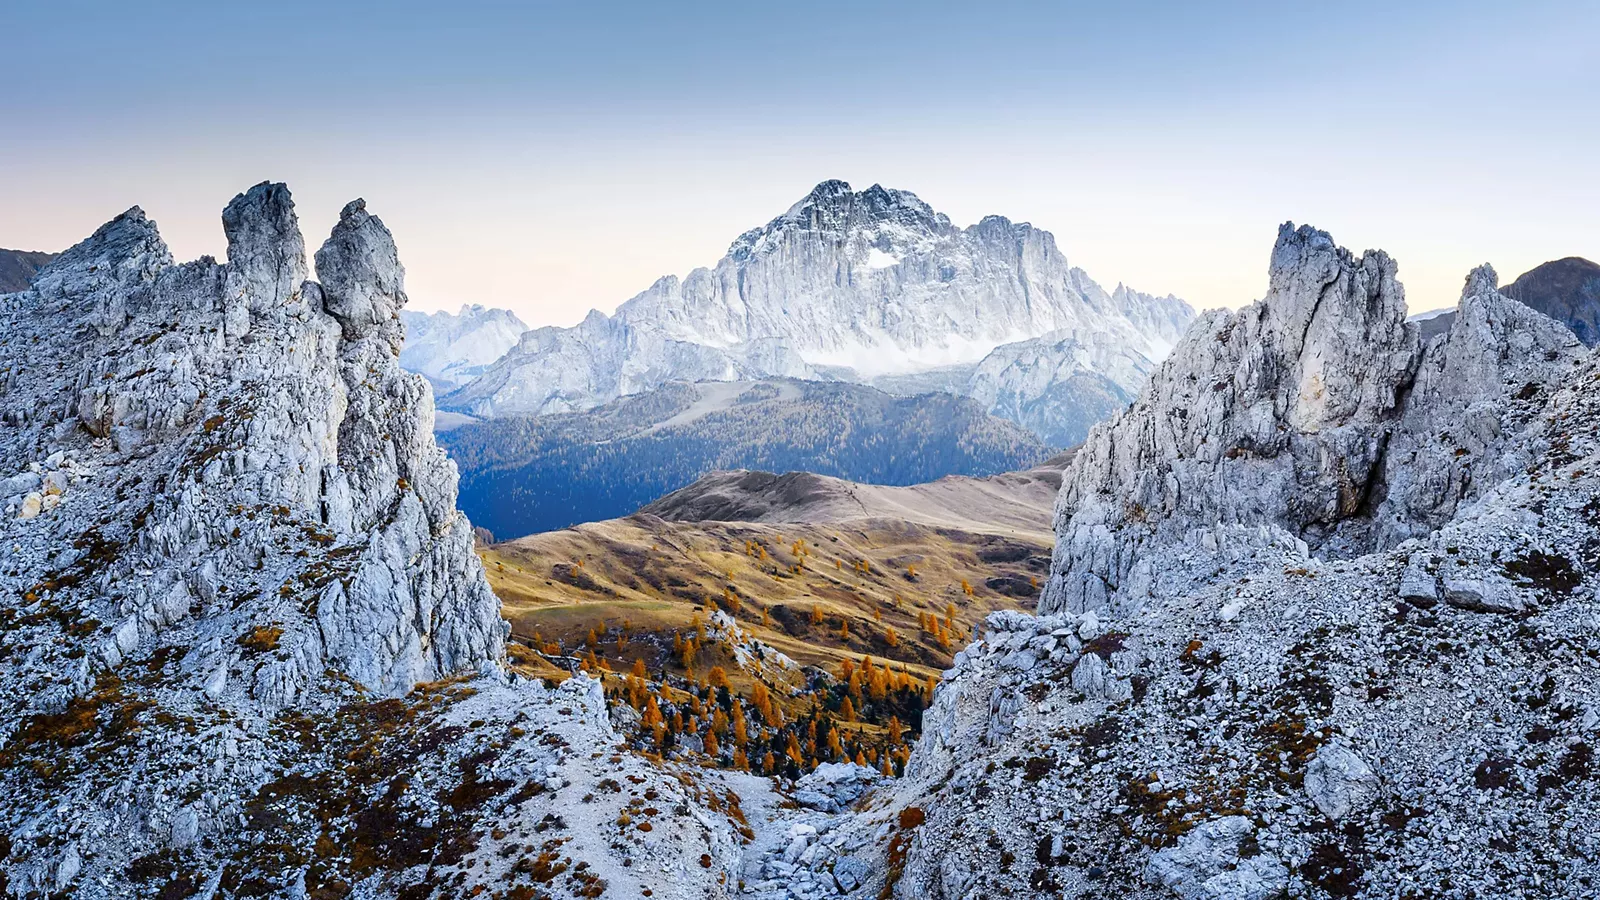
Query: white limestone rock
[1206,864]
[1419,584]
[1340,782]
[832,787]
[1481,591]
[451,349]
[253,574]
[1475,389]
[1315,416]
[1245,758]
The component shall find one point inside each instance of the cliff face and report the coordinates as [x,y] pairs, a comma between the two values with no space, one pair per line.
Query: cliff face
[228,392]
[1316,418]
[878,281]
[234,555]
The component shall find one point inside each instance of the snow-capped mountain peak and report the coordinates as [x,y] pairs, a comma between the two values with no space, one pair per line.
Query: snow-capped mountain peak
[844,284]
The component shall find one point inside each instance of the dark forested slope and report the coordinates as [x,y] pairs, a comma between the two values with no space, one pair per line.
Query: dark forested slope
[525,475]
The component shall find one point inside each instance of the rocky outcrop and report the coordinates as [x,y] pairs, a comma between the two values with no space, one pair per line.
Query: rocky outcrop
[17,268]
[451,349]
[1567,290]
[847,285]
[236,377]
[1315,419]
[1476,388]
[832,787]
[1301,729]
[1209,863]
[240,602]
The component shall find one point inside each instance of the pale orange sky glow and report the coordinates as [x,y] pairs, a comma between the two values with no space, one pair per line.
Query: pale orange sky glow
[552,191]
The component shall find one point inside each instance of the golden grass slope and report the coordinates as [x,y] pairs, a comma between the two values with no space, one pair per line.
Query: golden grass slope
[820,593]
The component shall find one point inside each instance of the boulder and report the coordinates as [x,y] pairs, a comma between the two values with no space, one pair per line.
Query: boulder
[1207,864]
[1479,591]
[1340,783]
[832,787]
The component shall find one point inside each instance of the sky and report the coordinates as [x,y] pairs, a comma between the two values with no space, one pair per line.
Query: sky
[551,158]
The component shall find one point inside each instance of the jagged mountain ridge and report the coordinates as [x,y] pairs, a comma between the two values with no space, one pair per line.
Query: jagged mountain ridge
[526,475]
[233,553]
[1319,623]
[451,349]
[17,268]
[246,648]
[1567,290]
[844,285]
[1333,422]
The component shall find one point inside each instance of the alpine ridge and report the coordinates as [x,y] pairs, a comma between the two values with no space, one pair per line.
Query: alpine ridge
[1331,423]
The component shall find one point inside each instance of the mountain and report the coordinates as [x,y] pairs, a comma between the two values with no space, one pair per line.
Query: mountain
[1319,620]
[1318,623]
[1060,384]
[17,268]
[451,349]
[246,648]
[524,475]
[846,285]
[1567,290]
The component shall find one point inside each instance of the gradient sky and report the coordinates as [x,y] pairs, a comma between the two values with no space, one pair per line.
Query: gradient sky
[553,157]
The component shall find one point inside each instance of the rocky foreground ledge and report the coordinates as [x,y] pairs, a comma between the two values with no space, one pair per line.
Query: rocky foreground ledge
[245,646]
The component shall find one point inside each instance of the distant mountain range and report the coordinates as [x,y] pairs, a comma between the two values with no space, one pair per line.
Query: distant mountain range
[17,268]
[866,287]
[451,349]
[528,474]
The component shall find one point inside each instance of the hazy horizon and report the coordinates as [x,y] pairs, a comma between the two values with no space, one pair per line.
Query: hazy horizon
[555,159]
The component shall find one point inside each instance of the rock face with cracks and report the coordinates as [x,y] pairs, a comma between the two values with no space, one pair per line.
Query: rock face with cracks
[246,648]
[1316,696]
[1315,419]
